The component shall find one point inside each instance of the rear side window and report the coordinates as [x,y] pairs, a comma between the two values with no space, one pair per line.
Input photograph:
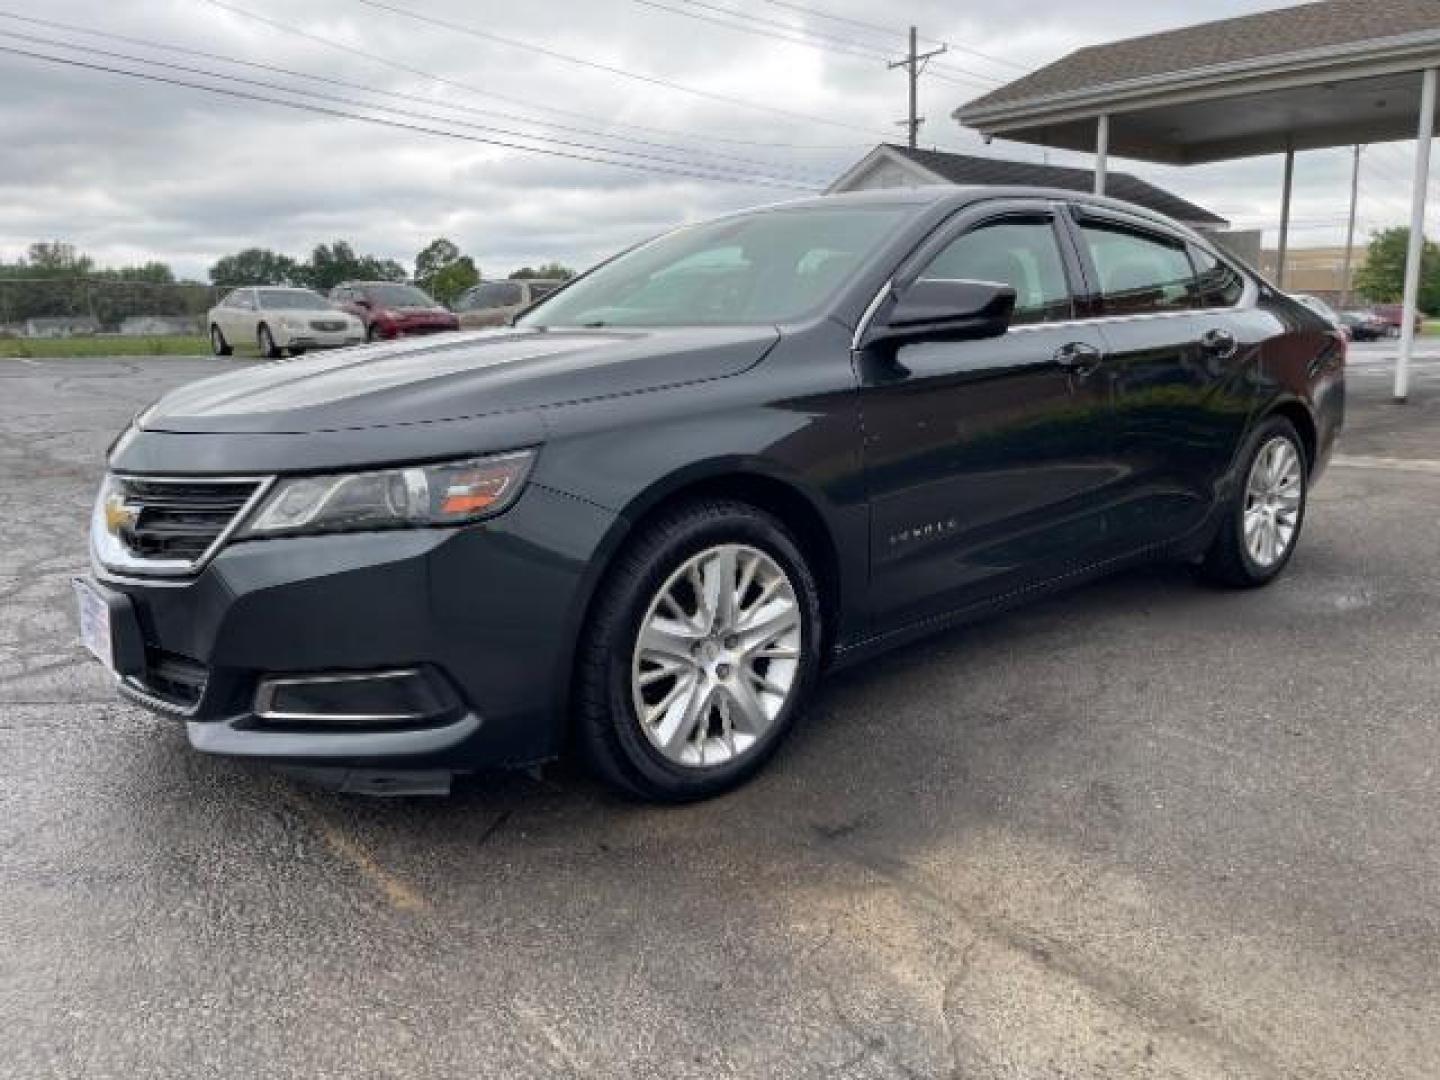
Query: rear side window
[1020,253]
[1221,285]
[1140,273]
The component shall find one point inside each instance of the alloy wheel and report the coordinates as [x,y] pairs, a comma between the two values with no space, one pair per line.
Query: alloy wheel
[1273,495]
[717,656]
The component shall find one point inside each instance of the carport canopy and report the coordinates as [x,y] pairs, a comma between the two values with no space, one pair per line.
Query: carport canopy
[1333,73]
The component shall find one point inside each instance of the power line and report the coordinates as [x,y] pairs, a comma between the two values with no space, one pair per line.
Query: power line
[892,32]
[385,122]
[370,89]
[825,42]
[396,65]
[721,171]
[555,54]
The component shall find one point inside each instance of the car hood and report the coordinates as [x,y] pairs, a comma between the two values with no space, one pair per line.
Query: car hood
[307,314]
[460,375]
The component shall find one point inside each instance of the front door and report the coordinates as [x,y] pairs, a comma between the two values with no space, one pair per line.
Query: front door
[988,462]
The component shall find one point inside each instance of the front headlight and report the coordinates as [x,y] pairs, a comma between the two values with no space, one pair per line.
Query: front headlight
[290,323]
[452,493]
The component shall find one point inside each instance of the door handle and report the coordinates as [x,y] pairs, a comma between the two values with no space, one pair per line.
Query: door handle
[1078,357]
[1219,343]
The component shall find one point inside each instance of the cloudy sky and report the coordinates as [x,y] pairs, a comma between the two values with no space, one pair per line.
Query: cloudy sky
[131,170]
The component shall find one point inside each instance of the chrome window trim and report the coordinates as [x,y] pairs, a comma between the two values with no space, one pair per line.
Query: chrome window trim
[265,699]
[870,309]
[109,553]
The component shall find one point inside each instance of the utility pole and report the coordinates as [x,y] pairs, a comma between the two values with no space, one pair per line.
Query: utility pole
[1350,231]
[915,63]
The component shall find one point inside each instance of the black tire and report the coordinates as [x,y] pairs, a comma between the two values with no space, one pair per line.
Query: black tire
[1229,562]
[296,352]
[608,731]
[372,334]
[266,343]
[218,345]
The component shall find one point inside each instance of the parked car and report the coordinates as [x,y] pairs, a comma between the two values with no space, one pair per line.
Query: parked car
[1393,316]
[1321,308]
[643,521]
[391,310]
[275,318]
[1364,325]
[495,303]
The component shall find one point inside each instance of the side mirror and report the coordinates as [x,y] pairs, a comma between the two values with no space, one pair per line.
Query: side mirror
[944,310]
[361,302]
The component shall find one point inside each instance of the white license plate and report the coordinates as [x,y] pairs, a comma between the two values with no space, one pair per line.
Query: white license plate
[95,632]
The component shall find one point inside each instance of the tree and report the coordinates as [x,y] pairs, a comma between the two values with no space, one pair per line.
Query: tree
[333,263]
[551,271]
[443,272]
[1382,278]
[256,266]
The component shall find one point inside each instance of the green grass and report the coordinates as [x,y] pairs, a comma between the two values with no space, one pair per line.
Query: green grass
[55,348]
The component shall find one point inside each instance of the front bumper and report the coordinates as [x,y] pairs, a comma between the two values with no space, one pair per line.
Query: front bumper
[488,613]
[317,339]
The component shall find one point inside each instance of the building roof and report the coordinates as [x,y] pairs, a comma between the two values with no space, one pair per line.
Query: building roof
[1267,35]
[966,169]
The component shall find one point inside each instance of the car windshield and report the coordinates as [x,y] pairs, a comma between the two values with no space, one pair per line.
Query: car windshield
[291,300]
[397,296]
[757,269]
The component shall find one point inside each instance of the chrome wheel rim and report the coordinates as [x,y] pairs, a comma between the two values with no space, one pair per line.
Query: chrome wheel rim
[1273,494]
[717,656]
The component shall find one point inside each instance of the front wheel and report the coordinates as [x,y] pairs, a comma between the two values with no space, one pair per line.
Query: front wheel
[265,341]
[372,334]
[1262,524]
[702,649]
[218,345]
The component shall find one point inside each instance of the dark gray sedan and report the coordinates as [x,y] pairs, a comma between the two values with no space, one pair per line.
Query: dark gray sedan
[644,520]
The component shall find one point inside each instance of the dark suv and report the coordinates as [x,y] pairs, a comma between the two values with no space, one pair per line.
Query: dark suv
[391,310]
[645,519]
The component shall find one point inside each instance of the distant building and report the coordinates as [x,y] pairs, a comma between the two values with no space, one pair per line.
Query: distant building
[890,165]
[1318,271]
[158,325]
[61,326]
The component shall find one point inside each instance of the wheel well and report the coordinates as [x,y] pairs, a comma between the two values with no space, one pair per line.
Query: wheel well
[1298,415]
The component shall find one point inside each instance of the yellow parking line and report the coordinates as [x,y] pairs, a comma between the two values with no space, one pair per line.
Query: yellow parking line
[398,894]
[1420,465]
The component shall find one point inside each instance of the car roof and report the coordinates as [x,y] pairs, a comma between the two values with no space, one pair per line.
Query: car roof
[956,196]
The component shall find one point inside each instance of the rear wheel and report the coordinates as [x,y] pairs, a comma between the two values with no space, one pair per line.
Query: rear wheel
[1262,525]
[266,343]
[701,651]
[218,345]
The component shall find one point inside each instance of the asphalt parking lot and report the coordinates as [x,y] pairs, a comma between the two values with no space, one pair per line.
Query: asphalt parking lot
[1147,829]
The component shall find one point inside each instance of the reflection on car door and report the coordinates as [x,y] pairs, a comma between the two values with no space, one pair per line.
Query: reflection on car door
[987,461]
[1177,362]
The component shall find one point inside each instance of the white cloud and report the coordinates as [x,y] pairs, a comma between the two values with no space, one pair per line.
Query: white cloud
[129,170]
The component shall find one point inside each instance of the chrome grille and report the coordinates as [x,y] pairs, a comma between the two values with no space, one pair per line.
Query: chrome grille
[165,526]
[329,326]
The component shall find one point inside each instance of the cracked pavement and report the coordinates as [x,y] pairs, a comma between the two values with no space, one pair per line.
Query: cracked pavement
[1145,829]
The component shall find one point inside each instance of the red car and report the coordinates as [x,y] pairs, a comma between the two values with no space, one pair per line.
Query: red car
[390,310]
[1391,314]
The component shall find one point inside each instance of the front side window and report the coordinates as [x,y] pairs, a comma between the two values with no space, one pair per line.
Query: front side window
[1140,273]
[244,299]
[754,269]
[1220,283]
[1021,253]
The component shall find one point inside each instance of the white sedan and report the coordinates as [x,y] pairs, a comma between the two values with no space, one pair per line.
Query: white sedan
[276,318]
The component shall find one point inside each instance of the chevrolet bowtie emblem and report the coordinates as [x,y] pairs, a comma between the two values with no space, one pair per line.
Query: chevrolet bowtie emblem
[119,515]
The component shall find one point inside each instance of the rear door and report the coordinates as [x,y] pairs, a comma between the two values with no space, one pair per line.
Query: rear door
[1177,352]
[987,461]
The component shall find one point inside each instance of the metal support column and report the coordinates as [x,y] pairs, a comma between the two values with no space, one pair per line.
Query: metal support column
[1423,138]
[1102,151]
[1283,255]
